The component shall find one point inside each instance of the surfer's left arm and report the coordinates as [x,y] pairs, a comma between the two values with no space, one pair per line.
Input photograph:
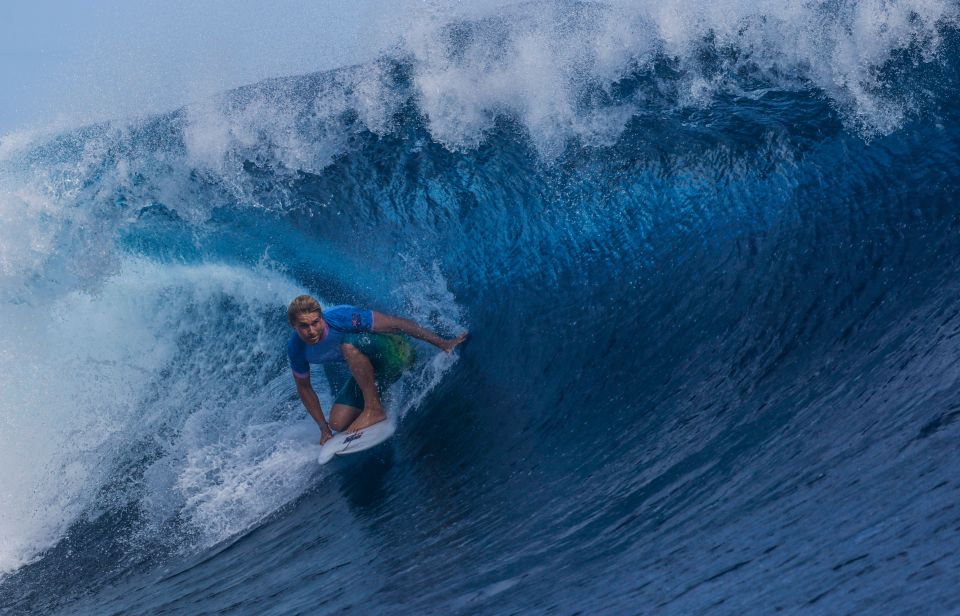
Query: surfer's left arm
[389,324]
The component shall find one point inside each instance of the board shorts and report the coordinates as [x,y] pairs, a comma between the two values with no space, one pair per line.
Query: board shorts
[391,356]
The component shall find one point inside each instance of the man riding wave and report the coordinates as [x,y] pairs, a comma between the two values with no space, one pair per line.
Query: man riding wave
[371,345]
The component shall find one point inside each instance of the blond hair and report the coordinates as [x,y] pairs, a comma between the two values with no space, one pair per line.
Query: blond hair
[302,304]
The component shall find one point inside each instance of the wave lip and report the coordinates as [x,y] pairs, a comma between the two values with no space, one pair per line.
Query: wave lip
[560,69]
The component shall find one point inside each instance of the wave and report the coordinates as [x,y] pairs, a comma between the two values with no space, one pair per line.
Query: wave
[683,237]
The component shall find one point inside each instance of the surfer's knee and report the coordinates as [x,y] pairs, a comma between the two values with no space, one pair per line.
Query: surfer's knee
[341,416]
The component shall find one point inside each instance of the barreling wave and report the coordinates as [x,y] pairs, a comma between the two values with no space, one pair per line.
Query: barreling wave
[705,253]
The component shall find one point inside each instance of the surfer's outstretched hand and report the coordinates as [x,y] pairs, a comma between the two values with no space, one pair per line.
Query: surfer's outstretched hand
[325,436]
[449,345]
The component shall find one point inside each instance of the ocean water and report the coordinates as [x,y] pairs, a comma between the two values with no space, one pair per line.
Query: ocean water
[708,257]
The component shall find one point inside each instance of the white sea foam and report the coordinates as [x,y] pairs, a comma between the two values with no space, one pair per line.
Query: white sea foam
[87,377]
[177,370]
[425,297]
[538,62]
[273,123]
[552,67]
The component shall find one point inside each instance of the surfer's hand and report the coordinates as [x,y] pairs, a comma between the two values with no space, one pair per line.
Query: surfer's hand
[449,345]
[325,436]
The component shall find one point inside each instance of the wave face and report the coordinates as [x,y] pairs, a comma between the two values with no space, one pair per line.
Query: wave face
[707,257]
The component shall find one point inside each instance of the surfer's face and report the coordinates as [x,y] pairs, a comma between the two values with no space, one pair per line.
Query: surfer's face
[309,326]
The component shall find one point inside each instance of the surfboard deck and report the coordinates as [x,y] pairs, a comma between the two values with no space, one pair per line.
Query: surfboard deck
[353,442]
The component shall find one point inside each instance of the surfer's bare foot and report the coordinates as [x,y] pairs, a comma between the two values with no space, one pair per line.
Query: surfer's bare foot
[366,419]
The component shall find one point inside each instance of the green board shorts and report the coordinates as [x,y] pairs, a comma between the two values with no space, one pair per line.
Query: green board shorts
[390,354]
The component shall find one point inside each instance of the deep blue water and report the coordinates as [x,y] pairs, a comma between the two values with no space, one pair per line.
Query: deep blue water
[713,364]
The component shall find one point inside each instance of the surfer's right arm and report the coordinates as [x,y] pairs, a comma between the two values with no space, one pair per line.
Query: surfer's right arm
[312,403]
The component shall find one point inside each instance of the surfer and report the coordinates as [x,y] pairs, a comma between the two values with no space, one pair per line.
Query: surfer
[369,342]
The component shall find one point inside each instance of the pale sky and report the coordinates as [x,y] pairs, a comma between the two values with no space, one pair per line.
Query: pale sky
[66,62]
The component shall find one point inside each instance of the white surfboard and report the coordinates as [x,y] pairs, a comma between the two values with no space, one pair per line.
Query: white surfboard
[352,442]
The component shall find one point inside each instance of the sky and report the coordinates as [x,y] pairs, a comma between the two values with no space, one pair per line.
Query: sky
[65,63]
